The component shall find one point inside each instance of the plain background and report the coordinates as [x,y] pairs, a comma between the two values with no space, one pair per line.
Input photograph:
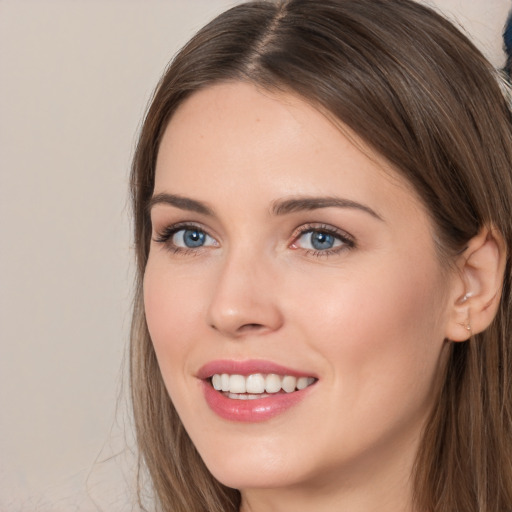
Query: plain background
[75,79]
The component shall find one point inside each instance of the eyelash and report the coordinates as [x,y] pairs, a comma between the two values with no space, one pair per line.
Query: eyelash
[347,241]
[165,236]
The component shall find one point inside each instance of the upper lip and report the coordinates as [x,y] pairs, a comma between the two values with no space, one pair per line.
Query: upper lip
[248,367]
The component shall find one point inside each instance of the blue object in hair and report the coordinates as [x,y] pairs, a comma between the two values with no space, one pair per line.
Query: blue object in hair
[507,35]
[507,40]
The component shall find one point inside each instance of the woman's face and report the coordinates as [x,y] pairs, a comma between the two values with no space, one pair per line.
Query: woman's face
[283,252]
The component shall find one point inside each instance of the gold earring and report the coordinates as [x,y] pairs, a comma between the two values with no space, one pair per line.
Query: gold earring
[466,297]
[466,326]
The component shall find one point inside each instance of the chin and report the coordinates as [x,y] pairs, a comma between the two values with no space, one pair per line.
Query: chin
[256,476]
[249,470]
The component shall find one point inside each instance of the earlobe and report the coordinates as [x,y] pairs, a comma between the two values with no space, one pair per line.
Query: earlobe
[477,292]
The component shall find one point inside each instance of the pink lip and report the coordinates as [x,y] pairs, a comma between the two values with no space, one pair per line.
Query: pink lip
[257,410]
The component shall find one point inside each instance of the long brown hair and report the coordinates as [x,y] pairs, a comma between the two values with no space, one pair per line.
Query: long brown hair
[419,93]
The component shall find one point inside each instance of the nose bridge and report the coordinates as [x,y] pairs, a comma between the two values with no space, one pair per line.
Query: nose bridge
[244,298]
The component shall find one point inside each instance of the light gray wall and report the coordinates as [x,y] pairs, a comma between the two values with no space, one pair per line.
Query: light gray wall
[75,77]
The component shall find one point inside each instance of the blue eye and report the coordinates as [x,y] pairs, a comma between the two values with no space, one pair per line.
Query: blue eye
[322,240]
[182,238]
[191,238]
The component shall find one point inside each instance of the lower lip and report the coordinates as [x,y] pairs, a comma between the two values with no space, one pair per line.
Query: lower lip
[259,409]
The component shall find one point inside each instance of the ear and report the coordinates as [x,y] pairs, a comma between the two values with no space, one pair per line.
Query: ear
[477,287]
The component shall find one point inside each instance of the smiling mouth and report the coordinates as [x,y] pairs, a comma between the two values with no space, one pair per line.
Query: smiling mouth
[258,385]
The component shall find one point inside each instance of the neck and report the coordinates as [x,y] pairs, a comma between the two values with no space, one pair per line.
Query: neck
[385,487]
[324,500]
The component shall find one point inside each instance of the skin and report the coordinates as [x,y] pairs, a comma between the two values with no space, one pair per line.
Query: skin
[370,320]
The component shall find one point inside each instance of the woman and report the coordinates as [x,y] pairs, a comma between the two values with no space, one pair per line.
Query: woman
[322,198]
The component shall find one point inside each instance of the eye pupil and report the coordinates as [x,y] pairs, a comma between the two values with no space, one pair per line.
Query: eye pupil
[193,238]
[321,240]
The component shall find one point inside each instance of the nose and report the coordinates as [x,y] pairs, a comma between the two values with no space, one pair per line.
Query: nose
[244,300]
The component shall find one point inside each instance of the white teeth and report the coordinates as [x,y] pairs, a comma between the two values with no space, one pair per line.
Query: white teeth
[255,385]
[303,382]
[289,383]
[244,396]
[272,383]
[224,379]
[217,382]
[237,384]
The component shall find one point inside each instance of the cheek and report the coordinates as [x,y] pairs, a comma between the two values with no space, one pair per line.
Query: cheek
[381,329]
[172,309]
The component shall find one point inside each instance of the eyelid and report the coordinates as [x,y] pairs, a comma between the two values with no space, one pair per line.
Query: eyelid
[164,236]
[348,241]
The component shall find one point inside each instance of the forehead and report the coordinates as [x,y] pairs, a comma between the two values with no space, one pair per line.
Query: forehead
[237,140]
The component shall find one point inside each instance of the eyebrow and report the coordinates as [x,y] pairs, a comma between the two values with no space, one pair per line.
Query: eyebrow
[283,207]
[183,203]
[279,207]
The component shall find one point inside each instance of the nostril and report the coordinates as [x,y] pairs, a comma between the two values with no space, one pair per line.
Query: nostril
[243,328]
[250,327]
